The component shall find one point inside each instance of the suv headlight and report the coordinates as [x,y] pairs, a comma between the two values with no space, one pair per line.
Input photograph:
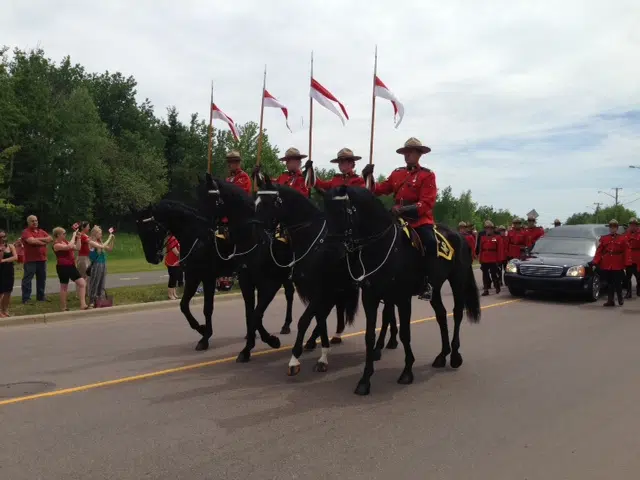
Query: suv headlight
[512,267]
[577,271]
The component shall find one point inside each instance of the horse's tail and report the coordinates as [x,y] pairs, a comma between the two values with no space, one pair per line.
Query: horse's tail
[472,297]
[349,301]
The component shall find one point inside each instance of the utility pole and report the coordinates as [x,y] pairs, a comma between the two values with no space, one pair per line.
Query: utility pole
[615,197]
[597,212]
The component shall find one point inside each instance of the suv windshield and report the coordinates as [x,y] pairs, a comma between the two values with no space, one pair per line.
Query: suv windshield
[565,246]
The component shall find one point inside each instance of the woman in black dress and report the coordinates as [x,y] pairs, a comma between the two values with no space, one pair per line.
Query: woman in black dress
[8,256]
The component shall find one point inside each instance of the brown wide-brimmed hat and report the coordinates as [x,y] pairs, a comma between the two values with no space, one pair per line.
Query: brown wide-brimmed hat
[292,154]
[516,220]
[501,227]
[633,221]
[557,220]
[488,224]
[531,218]
[462,224]
[233,156]
[413,144]
[345,154]
[613,222]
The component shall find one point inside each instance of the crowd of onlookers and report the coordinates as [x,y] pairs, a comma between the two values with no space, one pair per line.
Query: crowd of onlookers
[81,259]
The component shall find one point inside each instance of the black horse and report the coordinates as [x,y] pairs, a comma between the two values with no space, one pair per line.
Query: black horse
[319,272]
[387,264]
[197,256]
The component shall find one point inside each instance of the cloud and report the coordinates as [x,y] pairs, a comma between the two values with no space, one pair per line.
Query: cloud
[527,105]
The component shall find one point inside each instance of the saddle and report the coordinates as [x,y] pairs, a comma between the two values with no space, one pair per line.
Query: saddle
[443,247]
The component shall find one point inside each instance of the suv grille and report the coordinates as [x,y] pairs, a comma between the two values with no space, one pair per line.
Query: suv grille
[541,270]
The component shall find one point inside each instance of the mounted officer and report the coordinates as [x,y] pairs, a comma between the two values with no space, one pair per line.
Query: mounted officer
[414,189]
[293,177]
[633,238]
[346,161]
[612,256]
[236,174]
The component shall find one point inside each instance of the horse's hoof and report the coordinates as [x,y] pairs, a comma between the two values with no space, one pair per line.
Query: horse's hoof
[293,370]
[392,344]
[320,367]
[456,360]
[243,357]
[310,346]
[406,378]
[202,345]
[285,330]
[377,355]
[363,389]
[440,361]
[335,341]
[273,341]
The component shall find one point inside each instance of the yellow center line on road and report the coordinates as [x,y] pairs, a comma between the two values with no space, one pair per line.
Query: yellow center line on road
[193,366]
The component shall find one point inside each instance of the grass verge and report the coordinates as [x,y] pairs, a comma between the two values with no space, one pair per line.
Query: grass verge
[121,296]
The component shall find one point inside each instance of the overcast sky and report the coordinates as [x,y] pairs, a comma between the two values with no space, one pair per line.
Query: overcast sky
[534,106]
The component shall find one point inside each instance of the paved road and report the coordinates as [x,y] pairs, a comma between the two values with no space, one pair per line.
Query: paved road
[548,390]
[113,281]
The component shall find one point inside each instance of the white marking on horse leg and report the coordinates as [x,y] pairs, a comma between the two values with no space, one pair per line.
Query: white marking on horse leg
[323,358]
[337,335]
[294,362]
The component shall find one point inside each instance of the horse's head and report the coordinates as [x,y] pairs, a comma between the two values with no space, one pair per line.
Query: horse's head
[209,198]
[354,213]
[152,235]
[269,205]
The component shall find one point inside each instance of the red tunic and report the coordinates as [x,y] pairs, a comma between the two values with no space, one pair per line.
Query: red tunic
[294,180]
[349,179]
[471,240]
[241,179]
[633,238]
[416,186]
[517,241]
[491,249]
[533,234]
[613,253]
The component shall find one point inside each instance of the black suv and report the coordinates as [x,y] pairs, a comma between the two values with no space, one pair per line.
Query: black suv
[559,262]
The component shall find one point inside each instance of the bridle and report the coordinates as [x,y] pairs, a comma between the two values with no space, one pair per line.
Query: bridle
[157,227]
[354,244]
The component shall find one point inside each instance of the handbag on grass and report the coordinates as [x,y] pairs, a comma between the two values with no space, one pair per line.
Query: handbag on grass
[106,301]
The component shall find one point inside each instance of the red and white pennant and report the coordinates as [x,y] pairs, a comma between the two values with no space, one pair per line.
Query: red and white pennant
[382,91]
[325,98]
[271,101]
[220,115]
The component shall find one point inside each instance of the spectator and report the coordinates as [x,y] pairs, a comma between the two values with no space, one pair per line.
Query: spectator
[83,253]
[66,267]
[172,262]
[8,256]
[98,275]
[35,243]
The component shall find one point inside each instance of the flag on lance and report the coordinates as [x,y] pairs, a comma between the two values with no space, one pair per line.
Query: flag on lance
[271,101]
[219,114]
[382,91]
[325,98]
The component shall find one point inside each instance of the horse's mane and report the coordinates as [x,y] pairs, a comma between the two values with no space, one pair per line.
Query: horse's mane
[174,206]
[289,194]
[235,194]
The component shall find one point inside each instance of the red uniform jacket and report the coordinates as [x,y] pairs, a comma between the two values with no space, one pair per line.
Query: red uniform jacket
[241,179]
[349,179]
[491,249]
[471,240]
[416,186]
[533,234]
[613,253]
[294,180]
[633,238]
[517,241]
